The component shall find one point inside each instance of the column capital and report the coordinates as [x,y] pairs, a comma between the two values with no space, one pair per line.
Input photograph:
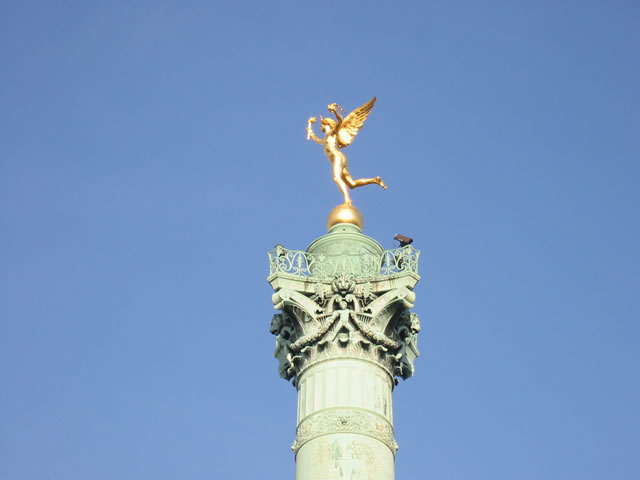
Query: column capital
[338,302]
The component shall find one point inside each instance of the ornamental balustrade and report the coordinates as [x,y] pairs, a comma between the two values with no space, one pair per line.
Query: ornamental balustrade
[322,265]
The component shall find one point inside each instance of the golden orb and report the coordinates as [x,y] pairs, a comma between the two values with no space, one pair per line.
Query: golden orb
[345,213]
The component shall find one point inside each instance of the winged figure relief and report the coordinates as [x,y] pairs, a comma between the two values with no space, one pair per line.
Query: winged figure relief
[338,134]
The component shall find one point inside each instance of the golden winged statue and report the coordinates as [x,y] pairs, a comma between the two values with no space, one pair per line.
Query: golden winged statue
[338,134]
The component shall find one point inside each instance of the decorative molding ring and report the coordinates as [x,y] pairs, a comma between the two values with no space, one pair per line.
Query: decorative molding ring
[344,420]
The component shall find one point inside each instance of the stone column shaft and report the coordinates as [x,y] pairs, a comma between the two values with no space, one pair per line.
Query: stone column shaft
[345,422]
[344,332]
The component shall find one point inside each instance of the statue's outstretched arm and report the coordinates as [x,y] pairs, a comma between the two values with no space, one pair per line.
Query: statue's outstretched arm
[310,133]
[333,108]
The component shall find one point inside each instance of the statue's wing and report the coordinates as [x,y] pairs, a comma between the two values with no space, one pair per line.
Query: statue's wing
[353,123]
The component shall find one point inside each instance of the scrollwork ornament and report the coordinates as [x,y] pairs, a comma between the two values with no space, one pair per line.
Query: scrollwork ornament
[342,316]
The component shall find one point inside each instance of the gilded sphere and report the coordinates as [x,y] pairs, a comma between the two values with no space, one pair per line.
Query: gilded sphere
[345,213]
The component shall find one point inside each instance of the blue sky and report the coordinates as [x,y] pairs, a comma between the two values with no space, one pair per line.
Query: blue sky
[152,152]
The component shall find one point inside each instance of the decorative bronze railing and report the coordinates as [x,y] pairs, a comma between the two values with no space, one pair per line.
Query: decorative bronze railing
[321,265]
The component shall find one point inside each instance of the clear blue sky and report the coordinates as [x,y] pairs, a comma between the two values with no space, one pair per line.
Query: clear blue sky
[152,152]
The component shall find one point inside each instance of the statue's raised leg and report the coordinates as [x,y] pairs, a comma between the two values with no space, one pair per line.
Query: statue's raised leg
[362,181]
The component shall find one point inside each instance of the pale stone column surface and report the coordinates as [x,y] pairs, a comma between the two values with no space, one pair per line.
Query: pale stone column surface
[343,335]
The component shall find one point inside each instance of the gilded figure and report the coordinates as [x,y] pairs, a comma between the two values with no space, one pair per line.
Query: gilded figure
[338,134]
